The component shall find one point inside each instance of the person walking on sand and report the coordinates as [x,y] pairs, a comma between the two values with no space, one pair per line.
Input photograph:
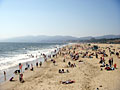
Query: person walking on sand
[4,75]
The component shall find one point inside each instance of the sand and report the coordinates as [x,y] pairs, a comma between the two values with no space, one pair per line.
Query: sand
[87,74]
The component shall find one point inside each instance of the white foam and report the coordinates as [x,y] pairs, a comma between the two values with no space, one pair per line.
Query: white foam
[8,62]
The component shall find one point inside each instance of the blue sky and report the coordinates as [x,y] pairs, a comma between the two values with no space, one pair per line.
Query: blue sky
[59,17]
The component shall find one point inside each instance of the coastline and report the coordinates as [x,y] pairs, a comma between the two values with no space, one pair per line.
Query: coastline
[87,75]
[30,60]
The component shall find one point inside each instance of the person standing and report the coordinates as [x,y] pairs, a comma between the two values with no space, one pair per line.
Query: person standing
[4,75]
[96,55]
[69,64]
[110,62]
[117,54]
[40,64]
[20,67]
[21,78]
[31,67]
[27,65]
[54,62]
[36,64]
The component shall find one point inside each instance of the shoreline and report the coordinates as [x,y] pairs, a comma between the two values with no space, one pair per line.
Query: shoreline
[87,74]
[10,71]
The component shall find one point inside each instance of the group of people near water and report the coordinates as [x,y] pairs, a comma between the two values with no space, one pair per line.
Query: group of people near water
[29,66]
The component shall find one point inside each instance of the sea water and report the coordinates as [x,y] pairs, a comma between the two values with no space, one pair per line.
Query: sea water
[11,54]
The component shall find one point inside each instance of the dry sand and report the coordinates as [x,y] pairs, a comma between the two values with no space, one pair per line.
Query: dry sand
[87,75]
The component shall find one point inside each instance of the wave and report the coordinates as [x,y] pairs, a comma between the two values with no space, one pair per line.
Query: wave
[15,59]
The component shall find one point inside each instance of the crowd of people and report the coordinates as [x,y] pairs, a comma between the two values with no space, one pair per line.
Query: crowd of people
[29,66]
[74,53]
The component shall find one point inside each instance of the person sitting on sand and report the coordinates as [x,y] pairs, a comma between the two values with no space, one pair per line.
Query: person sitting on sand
[84,56]
[67,71]
[69,64]
[109,68]
[63,71]
[67,82]
[17,71]
[54,62]
[60,71]
[11,79]
[90,56]
[74,65]
[103,64]
[63,60]
[53,56]
[76,56]
[80,61]
[97,89]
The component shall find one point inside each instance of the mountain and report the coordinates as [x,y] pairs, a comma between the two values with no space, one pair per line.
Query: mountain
[86,38]
[48,39]
[41,39]
[108,37]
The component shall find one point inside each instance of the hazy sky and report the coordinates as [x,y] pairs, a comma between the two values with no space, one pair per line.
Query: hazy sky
[59,17]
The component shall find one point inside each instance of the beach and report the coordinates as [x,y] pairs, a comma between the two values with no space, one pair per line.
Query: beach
[84,74]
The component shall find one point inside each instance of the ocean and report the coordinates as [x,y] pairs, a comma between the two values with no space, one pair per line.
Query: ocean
[11,54]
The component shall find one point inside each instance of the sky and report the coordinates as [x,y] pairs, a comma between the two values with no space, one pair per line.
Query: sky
[59,17]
